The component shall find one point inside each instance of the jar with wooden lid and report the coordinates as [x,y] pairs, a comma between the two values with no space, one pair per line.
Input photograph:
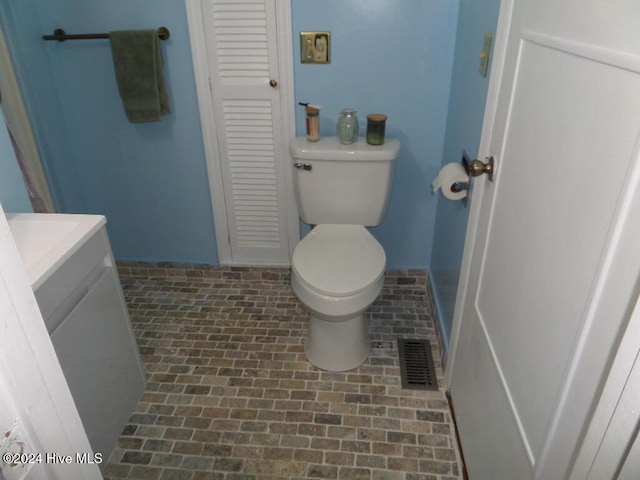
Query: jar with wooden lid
[375,128]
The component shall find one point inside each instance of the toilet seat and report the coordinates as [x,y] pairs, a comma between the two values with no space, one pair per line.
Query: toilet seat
[338,260]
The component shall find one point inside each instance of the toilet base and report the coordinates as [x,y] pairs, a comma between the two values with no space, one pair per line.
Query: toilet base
[337,346]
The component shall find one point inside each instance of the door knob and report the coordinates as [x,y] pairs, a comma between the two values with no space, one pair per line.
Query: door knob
[273,83]
[475,168]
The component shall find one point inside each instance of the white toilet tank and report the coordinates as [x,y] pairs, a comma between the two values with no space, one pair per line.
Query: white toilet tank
[343,184]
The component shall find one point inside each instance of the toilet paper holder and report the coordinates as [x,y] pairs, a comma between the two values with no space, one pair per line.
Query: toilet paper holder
[459,186]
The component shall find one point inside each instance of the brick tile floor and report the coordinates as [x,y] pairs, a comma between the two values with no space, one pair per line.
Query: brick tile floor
[230,394]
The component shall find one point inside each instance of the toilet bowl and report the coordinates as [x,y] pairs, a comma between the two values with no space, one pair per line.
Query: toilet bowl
[338,272]
[337,269]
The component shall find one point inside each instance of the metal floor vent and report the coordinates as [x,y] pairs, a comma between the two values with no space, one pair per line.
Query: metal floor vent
[416,365]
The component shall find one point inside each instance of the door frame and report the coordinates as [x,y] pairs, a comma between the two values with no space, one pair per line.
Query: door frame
[616,418]
[16,117]
[209,133]
[620,265]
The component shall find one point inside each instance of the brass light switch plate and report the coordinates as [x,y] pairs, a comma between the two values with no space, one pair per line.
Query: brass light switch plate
[315,47]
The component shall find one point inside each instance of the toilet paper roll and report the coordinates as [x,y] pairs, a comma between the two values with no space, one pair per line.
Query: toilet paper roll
[449,174]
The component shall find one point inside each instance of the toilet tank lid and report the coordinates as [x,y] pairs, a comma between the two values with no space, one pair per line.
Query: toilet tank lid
[329,148]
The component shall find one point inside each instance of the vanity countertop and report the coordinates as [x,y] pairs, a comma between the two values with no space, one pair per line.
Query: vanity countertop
[46,240]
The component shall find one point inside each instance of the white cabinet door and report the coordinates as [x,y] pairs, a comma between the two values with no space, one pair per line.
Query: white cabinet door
[551,261]
[249,160]
[99,358]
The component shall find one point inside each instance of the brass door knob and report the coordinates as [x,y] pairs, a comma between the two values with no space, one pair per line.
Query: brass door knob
[478,167]
[273,83]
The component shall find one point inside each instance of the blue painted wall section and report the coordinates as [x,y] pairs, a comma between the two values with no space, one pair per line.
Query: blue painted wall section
[23,30]
[13,193]
[464,127]
[392,57]
[150,180]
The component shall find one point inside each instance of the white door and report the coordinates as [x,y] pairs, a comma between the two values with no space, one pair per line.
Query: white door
[611,448]
[37,411]
[551,261]
[246,106]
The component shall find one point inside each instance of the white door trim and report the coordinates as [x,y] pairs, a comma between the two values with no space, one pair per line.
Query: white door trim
[287,112]
[18,122]
[194,9]
[616,417]
[208,124]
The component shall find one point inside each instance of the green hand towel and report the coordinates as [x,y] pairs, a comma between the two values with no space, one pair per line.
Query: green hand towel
[137,59]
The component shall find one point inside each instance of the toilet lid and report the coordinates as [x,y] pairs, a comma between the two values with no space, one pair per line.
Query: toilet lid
[339,260]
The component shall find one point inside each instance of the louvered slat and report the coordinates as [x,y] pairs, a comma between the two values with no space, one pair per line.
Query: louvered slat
[241,39]
[253,174]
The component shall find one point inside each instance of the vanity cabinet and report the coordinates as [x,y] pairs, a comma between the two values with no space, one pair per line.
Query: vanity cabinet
[85,313]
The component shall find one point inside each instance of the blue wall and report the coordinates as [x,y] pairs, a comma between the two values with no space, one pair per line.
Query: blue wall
[415,60]
[33,68]
[13,193]
[393,57]
[464,127]
[150,180]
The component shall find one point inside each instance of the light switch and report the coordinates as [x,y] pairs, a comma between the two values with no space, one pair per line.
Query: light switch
[315,47]
[485,55]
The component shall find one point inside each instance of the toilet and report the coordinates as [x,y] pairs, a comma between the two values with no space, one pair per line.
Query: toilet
[337,269]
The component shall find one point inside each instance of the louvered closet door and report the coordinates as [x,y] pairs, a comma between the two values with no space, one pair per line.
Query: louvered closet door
[243,60]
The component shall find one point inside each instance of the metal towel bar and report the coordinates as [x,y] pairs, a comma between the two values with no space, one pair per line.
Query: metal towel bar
[60,35]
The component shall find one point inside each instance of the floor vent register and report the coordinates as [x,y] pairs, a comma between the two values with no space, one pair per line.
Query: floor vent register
[416,365]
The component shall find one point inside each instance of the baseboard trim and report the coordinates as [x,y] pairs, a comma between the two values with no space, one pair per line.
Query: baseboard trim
[465,476]
[433,307]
